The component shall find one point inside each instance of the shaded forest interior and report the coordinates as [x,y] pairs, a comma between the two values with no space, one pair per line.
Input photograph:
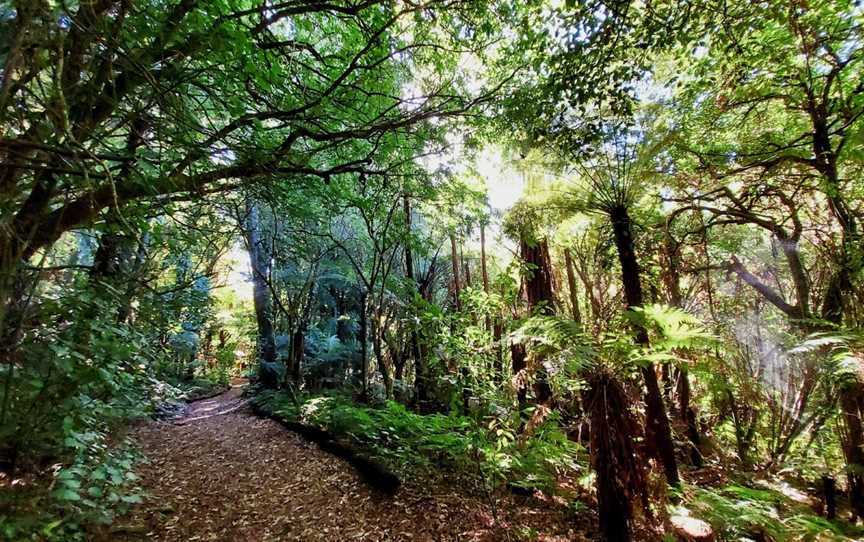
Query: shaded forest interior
[435,270]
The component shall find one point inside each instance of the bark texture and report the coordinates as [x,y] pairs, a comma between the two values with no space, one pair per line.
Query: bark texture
[259,259]
[658,431]
[620,478]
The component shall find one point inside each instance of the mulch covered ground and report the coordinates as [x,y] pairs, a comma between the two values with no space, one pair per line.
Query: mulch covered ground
[221,473]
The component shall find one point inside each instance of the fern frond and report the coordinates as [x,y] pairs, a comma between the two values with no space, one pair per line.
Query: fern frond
[673,327]
[553,335]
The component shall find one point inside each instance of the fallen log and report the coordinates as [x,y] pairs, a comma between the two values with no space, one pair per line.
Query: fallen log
[202,395]
[371,471]
[233,408]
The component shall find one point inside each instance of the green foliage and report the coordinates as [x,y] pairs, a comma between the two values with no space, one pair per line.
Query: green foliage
[525,221]
[458,339]
[548,335]
[328,357]
[737,514]
[843,367]
[743,513]
[531,463]
[95,487]
[729,132]
[416,443]
[86,371]
[566,347]
[86,375]
[672,328]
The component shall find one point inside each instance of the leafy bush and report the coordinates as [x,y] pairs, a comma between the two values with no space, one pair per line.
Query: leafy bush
[98,485]
[79,381]
[86,371]
[328,358]
[91,488]
[412,442]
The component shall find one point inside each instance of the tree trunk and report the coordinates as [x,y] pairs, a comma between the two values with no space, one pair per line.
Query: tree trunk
[364,358]
[497,332]
[659,432]
[620,478]
[298,346]
[672,278]
[852,408]
[421,385]
[538,287]
[493,327]
[466,268]
[839,287]
[16,288]
[118,261]
[673,292]
[840,283]
[832,301]
[688,415]
[110,255]
[112,266]
[125,311]
[454,260]
[483,271]
[571,285]
[260,263]
[517,357]
[398,366]
[666,376]
[829,493]
[379,355]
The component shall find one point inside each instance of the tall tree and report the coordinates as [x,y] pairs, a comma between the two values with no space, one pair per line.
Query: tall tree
[421,384]
[613,187]
[571,286]
[454,261]
[260,262]
[223,95]
[524,226]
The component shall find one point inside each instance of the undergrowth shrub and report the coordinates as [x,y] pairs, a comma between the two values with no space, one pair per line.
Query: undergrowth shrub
[409,441]
[75,385]
[737,512]
[98,485]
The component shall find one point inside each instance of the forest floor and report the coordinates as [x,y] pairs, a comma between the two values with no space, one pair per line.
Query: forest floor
[221,473]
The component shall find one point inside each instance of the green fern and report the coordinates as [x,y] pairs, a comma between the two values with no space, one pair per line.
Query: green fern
[846,363]
[551,335]
[742,513]
[672,327]
[736,518]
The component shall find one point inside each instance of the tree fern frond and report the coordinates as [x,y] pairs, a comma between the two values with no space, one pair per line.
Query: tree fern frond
[552,335]
[674,327]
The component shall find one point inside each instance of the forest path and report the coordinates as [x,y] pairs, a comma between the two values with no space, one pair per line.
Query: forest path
[221,473]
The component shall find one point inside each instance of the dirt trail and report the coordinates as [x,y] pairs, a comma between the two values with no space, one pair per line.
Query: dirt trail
[221,473]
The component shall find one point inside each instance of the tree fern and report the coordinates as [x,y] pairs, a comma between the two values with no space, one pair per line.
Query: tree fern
[846,364]
[672,327]
[552,336]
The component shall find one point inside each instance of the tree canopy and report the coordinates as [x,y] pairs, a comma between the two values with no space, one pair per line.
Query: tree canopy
[605,254]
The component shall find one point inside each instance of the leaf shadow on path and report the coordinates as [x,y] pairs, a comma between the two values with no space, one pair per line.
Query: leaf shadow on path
[222,474]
